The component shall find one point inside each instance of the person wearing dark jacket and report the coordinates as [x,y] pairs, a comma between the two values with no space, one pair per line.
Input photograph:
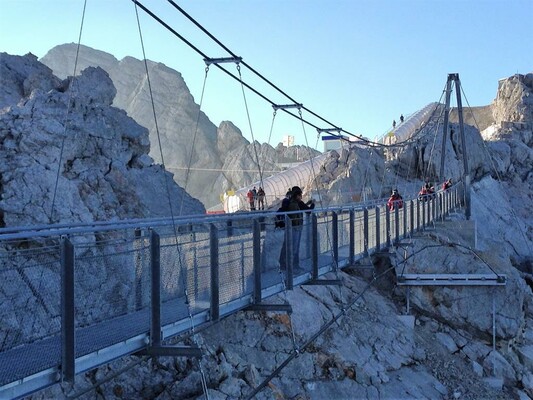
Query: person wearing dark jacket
[295,204]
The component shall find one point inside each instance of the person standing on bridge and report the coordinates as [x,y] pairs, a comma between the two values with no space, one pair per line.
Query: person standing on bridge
[401,119]
[393,124]
[295,204]
[260,199]
[251,199]
[395,200]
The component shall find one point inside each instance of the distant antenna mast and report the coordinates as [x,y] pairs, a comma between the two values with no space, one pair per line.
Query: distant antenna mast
[466,174]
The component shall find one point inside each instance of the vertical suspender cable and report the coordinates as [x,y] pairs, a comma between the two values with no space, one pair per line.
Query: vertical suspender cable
[187,174]
[51,218]
[202,374]
[250,125]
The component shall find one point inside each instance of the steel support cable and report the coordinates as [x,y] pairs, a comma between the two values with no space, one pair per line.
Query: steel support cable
[368,142]
[173,31]
[317,334]
[254,145]
[202,374]
[320,200]
[65,124]
[187,174]
[498,177]
[435,140]
[181,10]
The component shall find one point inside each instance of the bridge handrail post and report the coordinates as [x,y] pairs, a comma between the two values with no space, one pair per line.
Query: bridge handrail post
[404,233]
[335,238]
[418,215]
[396,224]
[68,331]
[365,231]
[412,216]
[424,206]
[435,210]
[288,253]
[256,247]
[351,252]
[378,228]
[214,266]
[387,226]
[155,295]
[314,245]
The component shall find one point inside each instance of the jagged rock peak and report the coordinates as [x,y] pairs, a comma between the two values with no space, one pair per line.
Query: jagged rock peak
[19,76]
[514,100]
[105,170]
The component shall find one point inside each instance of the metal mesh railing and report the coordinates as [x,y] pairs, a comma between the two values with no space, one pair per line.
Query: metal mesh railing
[213,258]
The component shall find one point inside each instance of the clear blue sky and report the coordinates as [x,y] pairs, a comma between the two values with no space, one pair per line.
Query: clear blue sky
[357,63]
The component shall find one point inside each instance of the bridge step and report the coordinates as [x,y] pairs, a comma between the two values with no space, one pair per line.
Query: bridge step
[451,280]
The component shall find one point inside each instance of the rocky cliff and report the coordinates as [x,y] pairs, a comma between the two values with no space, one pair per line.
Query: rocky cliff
[219,155]
[105,171]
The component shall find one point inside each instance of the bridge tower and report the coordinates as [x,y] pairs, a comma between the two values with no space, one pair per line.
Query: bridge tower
[466,176]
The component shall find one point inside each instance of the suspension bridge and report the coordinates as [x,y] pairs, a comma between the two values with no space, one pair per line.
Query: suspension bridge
[79,296]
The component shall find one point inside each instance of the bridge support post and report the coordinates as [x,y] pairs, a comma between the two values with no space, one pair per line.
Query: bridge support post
[258,305]
[155,348]
[68,334]
[378,229]
[314,245]
[365,231]
[155,321]
[424,206]
[351,255]
[214,264]
[288,253]
[335,239]
[387,227]
[404,233]
[256,232]
[417,215]
[396,224]
[412,216]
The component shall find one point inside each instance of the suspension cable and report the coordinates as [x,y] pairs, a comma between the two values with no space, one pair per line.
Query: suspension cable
[250,125]
[187,302]
[65,124]
[173,31]
[187,174]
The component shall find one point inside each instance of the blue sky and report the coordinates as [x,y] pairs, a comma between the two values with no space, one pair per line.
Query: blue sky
[357,63]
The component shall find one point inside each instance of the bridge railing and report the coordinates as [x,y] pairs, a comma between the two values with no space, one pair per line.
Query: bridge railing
[75,297]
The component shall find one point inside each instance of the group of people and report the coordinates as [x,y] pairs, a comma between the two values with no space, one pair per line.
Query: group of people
[394,121]
[256,197]
[427,192]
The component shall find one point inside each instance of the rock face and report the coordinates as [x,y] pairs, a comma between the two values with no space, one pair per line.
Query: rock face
[105,171]
[219,155]
[514,101]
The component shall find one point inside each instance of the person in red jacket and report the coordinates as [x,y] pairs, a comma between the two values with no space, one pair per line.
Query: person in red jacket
[251,199]
[447,184]
[395,200]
